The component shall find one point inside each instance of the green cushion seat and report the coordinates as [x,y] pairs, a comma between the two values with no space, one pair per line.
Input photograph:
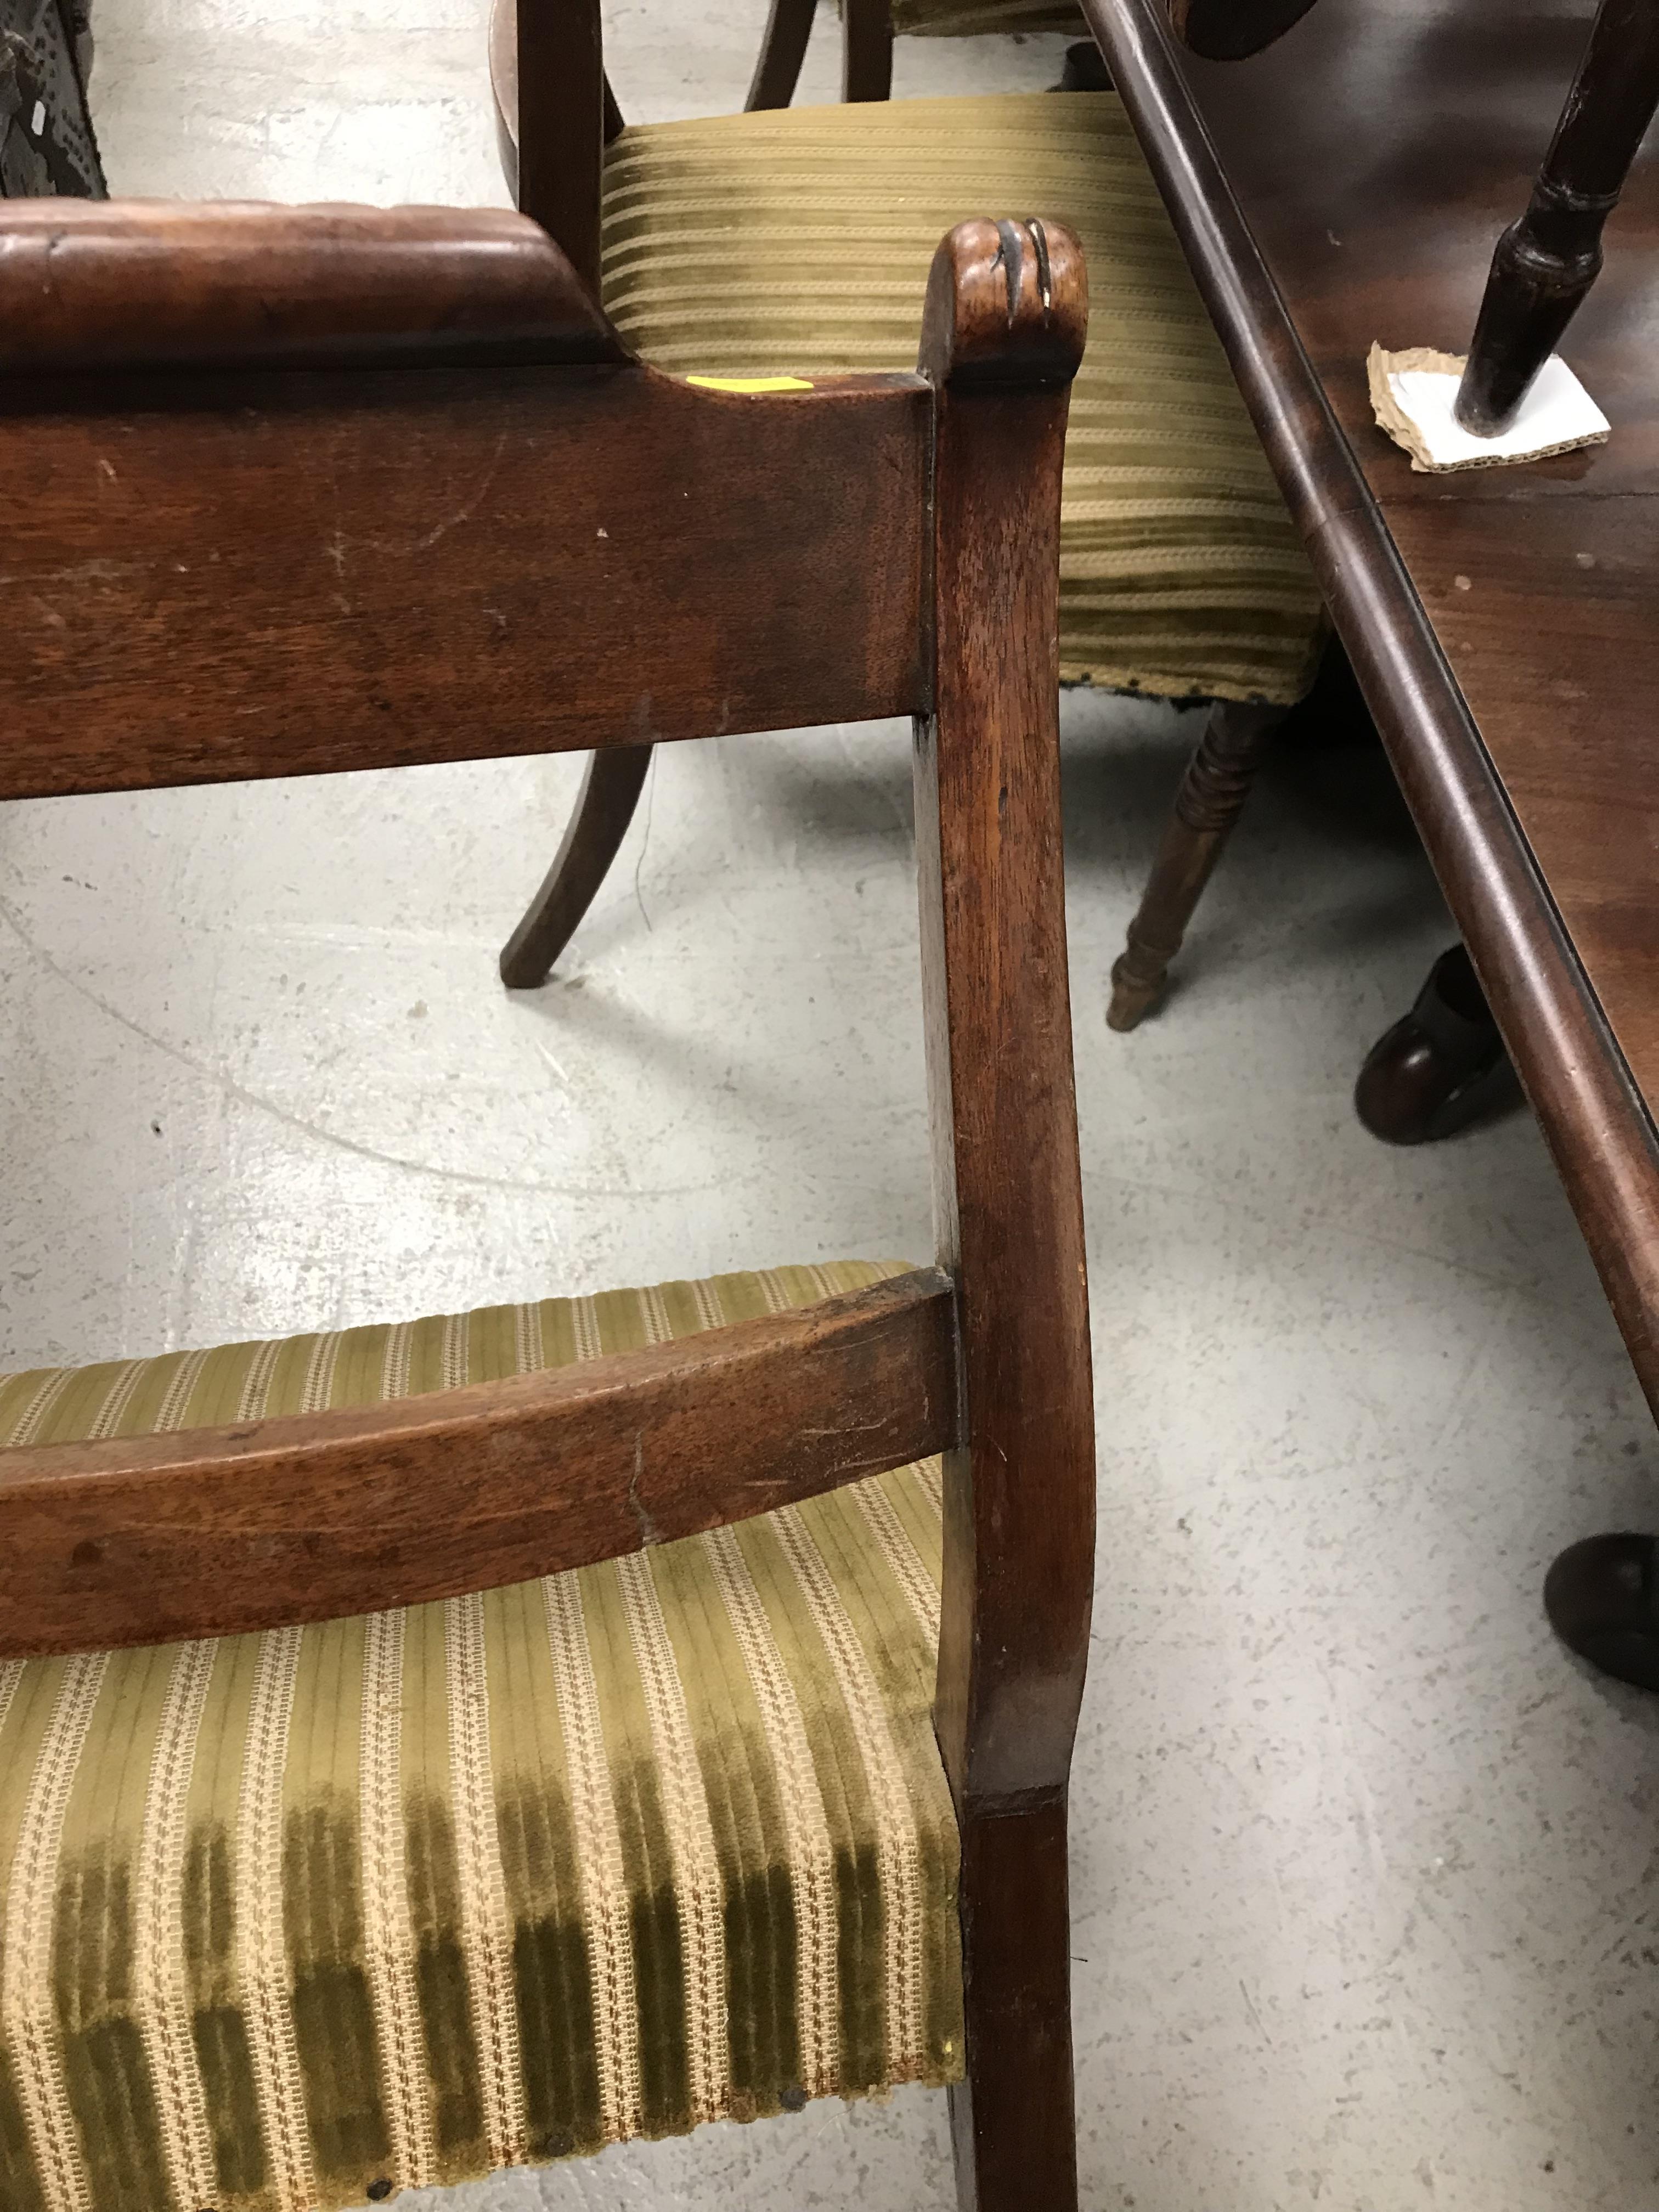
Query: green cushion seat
[799,240]
[290,1918]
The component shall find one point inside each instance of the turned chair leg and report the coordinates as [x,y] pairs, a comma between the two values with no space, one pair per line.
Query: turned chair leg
[783,50]
[1548,260]
[1013,2124]
[610,792]
[1210,800]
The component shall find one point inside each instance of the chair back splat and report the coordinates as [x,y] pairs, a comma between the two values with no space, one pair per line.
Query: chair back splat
[300,490]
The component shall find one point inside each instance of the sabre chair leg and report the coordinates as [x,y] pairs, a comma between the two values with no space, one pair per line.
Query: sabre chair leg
[610,792]
[1013,2124]
[777,72]
[1210,800]
[866,51]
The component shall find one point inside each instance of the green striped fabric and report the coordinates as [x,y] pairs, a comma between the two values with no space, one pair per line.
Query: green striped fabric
[800,240]
[289,1919]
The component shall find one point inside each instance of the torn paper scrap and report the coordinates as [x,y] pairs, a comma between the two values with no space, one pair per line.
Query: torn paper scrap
[1411,395]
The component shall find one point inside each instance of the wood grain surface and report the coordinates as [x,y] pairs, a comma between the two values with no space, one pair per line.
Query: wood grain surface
[256,574]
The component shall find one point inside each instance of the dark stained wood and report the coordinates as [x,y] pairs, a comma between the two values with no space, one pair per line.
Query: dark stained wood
[1218,780]
[783,49]
[261,572]
[566,190]
[156,283]
[867,49]
[1004,312]
[1345,187]
[1550,256]
[559,117]
[1227,30]
[210,1532]
[605,807]
[221,577]
[1011,2118]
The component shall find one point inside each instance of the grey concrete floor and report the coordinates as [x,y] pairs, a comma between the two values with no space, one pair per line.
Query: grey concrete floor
[1364,1866]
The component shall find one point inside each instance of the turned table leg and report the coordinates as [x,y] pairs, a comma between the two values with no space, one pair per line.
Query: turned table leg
[1546,261]
[1212,796]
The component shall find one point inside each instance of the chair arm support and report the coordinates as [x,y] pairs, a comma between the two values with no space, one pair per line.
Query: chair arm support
[1006,313]
[210,1532]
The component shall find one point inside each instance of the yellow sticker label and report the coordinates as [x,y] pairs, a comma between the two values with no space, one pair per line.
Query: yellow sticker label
[751,383]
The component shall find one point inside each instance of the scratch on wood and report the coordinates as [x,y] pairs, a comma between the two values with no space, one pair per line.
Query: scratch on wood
[80,573]
[649,1532]
[464,513]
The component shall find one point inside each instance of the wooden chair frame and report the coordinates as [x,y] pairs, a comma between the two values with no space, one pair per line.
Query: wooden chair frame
[303,490]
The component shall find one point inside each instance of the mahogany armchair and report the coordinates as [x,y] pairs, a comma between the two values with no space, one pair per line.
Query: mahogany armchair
[436,1746]
[1181,575]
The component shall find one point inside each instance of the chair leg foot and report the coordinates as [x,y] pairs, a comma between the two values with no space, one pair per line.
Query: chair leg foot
[1140,978]
[1212,796]
[1013,2124]
[610,792]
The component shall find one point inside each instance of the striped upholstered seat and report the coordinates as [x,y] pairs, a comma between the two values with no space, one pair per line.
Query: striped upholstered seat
[1181,573]
[292,1919]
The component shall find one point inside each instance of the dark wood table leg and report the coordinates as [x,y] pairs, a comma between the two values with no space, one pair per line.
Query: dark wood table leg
[1439,1067]
[1546,261]
[1601,1595]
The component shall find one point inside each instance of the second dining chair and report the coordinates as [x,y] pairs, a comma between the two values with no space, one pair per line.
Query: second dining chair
[1181,575]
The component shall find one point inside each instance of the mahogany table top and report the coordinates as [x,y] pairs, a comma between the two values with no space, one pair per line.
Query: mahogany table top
[1348,185]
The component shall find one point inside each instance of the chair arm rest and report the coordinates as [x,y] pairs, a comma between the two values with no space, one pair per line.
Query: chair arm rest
[209,1532]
